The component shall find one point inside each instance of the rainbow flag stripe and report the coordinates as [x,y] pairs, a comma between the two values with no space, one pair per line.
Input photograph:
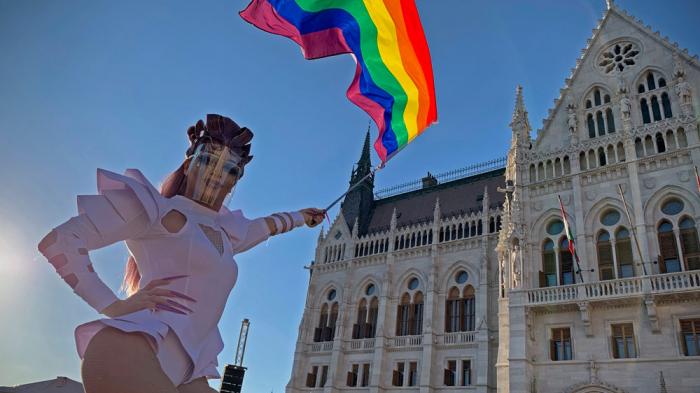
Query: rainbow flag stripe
[393,80]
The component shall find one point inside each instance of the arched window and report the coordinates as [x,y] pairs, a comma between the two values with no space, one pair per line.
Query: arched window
[606,266]
[567,165]
[638,148]
[662,82]
[417,314]
[689,243]
[649,145]
[660,144]
[557,167]
[582,161]
[621,152]
[601,157]
[601,123]
[666,103]
[467,321]
[623,252]
[682,140]
[591,125]
[533,173]
[358,330]
[668,260]
[670,140]
[549,263]
[566,263]
[452,311]
[610,119]
[598,113]
[655,108]
[645,111]
[592,159]
[333,319]
[373,313]
[402,316]
[650,81]
[640,89]
[326,322]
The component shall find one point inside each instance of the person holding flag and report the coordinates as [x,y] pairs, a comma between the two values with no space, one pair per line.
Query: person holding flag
[182,240]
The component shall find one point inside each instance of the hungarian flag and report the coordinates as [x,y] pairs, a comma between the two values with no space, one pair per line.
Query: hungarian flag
[570,239]
[567,229]
[697,178]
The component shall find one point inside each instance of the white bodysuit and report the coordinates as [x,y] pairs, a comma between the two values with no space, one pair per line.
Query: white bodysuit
[129,208]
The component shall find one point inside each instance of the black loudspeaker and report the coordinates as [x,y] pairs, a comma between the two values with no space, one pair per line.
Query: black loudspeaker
[232,380]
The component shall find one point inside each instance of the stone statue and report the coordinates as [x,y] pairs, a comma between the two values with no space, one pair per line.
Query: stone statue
[678,69]
[571,119]
[516,266]
[625,107]
[621,84]
[683,91]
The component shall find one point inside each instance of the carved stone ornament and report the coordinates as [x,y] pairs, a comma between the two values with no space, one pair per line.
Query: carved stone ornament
[649,183]
[590,195]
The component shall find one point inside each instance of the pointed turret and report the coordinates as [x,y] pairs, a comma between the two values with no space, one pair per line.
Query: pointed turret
[436,211]
[358,202]
[520,123]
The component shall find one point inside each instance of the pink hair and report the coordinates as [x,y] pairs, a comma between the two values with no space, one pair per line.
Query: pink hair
[173,185]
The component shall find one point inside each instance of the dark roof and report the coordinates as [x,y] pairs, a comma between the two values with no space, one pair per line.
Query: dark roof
[457,196]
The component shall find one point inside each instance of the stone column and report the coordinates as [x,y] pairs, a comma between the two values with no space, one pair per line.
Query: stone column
[519,365]
[428,354]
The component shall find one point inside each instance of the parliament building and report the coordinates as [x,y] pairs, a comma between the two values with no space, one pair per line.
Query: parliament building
[466,281]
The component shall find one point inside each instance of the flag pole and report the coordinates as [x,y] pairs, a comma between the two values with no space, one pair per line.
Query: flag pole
[574,254]
[634,230]
[354,186]
[372,172]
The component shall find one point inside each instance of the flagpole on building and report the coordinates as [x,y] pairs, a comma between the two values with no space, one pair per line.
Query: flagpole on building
[570,239]
[634,229]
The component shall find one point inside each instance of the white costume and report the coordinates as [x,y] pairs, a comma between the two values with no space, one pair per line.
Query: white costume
[129,208]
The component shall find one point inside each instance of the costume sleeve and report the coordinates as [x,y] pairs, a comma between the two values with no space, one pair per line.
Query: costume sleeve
[246,233]
[124,209]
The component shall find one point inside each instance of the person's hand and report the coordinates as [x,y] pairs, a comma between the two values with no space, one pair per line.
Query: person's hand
[313,216]
[150,297]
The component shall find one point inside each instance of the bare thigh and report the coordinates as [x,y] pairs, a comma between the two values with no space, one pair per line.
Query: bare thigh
[199,385]
[119,362]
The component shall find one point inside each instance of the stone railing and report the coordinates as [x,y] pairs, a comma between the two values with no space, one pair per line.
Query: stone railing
[458,338]
[325,346]
[676,282]
[613,289]
[361,344]
[405,341]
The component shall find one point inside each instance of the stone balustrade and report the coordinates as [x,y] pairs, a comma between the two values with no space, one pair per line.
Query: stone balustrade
[614,289]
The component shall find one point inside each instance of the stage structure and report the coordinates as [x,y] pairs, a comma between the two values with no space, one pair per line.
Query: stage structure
[232,381]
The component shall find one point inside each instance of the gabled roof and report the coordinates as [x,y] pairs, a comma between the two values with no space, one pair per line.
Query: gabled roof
[612,9]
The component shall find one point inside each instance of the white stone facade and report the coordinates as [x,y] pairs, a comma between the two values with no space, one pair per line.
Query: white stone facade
[627,283]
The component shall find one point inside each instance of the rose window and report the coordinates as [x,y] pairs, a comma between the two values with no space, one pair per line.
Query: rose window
[618,57]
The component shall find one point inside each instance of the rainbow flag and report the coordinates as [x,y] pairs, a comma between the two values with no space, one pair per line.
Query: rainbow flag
[393,80]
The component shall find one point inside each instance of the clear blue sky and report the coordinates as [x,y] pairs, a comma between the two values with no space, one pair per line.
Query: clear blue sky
[114,85]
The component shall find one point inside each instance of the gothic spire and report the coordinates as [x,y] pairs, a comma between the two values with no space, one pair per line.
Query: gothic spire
[357,204]
[520,123]
[365,162]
